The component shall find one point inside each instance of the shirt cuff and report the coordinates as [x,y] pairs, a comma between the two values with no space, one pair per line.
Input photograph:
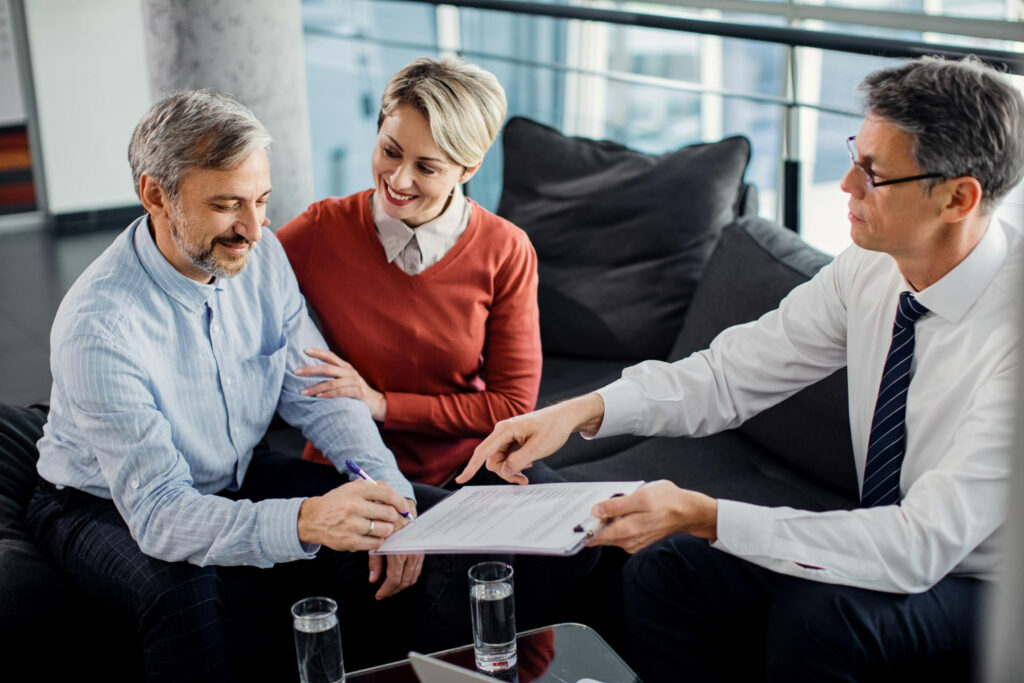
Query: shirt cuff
[621,409]
[743,529]
[279,531]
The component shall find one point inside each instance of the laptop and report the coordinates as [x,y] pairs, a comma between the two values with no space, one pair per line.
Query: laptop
[431,670]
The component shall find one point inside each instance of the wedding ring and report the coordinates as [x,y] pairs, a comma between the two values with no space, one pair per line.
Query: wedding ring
[369,532]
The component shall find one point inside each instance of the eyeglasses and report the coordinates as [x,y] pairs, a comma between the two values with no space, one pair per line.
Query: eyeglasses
[869,179]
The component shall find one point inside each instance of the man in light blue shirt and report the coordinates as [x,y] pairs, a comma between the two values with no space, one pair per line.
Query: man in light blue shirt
[170,356]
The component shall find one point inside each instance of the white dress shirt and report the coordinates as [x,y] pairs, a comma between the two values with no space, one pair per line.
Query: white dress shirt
[959,421]
[414,250]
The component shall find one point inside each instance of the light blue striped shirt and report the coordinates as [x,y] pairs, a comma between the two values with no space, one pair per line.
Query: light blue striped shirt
[162,386]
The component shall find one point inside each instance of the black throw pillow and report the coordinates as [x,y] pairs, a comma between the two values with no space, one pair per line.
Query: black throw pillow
[621,236]
[754,266]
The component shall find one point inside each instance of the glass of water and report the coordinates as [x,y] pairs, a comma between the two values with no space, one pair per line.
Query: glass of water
[494,618]
[318,640]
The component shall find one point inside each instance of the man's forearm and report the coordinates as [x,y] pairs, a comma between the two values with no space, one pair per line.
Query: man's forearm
[586,412]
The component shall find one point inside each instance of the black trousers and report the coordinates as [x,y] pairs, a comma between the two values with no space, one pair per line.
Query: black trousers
[234,623]
[696,613]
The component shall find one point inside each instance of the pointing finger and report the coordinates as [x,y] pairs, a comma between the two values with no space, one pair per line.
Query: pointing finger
[484,450]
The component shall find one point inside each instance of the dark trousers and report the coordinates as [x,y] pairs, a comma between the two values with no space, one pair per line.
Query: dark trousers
[697,613]
[234,623]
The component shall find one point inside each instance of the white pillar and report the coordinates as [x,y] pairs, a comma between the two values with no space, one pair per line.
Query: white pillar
[251,50]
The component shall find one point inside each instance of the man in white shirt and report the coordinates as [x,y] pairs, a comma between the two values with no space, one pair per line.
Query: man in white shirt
[921,311]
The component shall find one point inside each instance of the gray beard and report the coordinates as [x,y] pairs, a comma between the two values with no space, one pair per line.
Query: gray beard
[199,256]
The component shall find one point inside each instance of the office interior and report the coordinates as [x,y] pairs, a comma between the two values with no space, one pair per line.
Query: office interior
[654,76]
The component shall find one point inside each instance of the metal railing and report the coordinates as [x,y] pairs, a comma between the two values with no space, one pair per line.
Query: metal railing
[791,37]
[795,11]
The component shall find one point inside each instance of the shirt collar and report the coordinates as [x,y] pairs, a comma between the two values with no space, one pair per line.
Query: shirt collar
[434,237]
[953,295]
[186,291]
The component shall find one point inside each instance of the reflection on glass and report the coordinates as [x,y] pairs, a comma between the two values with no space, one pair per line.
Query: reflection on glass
[660,118]
[976,9]
[346,70]
[823,203]
[511,47]
[668,95]
[563,652]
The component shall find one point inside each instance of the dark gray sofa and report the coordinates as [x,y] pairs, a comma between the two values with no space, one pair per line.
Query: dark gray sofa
[649,257]
[640,257]
[797,453]
[49,630]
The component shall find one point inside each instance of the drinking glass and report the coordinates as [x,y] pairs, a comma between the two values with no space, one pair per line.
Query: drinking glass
[494,620]
[318,641]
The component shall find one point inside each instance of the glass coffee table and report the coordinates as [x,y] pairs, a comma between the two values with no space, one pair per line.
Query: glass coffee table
[564,652]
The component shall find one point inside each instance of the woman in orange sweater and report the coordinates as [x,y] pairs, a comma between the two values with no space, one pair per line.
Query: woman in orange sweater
[427,300]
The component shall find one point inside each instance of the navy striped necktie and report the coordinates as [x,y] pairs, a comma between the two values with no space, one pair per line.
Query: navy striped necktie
[887,442]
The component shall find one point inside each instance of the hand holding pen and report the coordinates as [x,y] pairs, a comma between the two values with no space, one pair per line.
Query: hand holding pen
[361,473]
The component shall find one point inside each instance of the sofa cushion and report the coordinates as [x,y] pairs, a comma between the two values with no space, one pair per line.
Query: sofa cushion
[621,236]
[38,607]
[727,465]
[28,583]
[564,378]
[20,428]
[755,264]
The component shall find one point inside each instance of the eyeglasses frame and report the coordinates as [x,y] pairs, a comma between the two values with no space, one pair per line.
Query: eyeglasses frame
[869,180]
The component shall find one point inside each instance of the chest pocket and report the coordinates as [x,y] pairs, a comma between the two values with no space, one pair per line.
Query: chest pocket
[262,376]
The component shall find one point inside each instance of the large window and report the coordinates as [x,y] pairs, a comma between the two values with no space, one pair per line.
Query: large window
[352,48]
[652,89]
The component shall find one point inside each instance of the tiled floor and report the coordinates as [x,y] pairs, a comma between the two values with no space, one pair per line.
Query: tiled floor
[36,269]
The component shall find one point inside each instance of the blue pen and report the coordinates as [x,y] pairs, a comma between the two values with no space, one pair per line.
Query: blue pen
[359,472]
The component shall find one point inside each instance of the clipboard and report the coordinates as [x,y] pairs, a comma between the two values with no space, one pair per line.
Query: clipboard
[537,519]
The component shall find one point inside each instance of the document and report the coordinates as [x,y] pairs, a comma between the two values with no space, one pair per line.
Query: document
[538,519]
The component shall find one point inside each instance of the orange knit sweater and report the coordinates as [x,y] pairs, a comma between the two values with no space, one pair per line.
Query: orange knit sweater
[454,349]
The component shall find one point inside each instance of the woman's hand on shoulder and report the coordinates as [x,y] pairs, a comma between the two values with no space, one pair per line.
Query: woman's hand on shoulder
[345,382]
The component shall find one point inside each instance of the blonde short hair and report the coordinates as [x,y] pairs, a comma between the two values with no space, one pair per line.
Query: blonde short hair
[464,104]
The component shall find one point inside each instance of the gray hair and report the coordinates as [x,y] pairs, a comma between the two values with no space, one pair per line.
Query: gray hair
[965,119]
[193,129]
[464,105]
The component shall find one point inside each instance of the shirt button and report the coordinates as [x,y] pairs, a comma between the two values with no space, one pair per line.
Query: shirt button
[227,381]
[135,484]
[215,328]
